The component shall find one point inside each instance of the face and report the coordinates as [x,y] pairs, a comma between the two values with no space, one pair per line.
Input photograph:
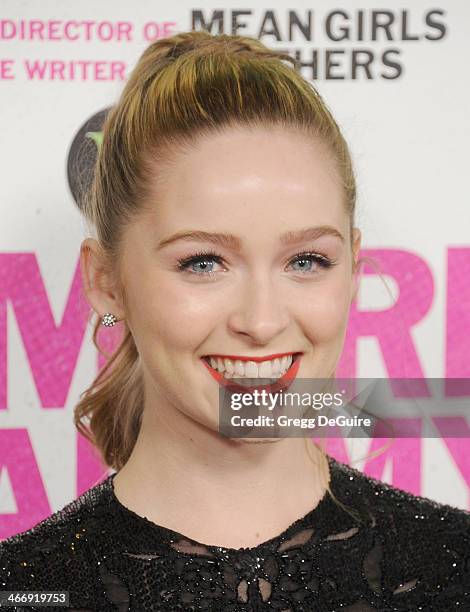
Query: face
[228,260]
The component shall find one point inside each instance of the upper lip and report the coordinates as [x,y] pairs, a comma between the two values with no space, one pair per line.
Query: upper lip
[257,359]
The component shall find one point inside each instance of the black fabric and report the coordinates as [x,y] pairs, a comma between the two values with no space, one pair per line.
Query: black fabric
[401,553]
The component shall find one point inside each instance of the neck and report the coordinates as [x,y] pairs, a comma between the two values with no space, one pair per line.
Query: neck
[186,477]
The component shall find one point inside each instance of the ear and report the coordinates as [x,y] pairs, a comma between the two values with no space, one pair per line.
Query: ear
[356,247]
[98,283]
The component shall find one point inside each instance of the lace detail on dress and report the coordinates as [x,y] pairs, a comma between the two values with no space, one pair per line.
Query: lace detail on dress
[400,553]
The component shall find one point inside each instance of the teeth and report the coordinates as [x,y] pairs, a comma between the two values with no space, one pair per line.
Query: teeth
[239,368]
[264,369]
[274,368]
[229,367]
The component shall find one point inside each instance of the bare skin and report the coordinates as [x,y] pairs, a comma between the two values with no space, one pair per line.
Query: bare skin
[255,301]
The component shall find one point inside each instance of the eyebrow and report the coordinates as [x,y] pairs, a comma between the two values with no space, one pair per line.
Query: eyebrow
[233,242]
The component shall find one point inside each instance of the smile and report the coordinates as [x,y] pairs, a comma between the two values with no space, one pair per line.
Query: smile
[281,369]
[255,367]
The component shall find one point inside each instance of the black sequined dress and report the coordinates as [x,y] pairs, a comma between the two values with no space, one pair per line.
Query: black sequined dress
[404,553]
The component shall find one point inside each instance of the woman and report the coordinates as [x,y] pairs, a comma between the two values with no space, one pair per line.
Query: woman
[223,205]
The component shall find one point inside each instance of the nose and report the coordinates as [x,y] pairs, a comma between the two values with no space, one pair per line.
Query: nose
[261,312]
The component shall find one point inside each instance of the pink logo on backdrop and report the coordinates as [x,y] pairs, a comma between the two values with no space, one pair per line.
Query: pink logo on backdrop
[52,351]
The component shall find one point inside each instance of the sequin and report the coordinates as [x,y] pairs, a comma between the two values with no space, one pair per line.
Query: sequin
[401,553]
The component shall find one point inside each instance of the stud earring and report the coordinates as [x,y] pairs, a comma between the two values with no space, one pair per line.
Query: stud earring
[108,319]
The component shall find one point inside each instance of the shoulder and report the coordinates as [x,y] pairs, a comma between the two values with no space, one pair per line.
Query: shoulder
[386,499]
[374,494]
[56,552]
[419,540]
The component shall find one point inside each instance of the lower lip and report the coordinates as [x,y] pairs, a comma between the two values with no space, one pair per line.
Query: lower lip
[281,383]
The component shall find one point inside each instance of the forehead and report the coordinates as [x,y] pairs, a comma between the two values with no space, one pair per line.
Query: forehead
[254,171]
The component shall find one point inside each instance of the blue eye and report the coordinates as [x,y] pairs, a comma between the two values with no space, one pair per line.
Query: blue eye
[308,257]
[204,262]
[201,264]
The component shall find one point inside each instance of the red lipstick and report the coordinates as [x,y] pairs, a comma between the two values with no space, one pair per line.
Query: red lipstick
[281,383]
[257,359]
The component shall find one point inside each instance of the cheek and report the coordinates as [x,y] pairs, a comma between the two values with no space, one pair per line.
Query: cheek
[171,315]
[325,313]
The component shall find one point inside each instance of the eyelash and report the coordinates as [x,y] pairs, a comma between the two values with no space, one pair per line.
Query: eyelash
[183,264]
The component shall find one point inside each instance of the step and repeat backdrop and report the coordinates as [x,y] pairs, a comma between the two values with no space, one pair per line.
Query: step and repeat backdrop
[395,76]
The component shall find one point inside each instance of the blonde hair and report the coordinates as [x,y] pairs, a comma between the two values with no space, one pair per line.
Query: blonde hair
[188,85]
